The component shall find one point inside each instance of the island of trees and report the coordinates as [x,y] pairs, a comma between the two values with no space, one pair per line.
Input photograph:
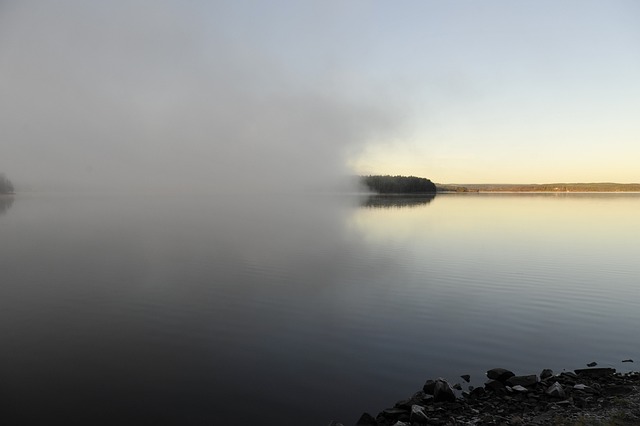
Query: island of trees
[398,184]
[6,187]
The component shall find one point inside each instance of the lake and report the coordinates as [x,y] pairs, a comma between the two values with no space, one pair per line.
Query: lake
[289,310]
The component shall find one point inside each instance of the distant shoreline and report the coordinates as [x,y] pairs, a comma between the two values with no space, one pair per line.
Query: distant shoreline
[604,187]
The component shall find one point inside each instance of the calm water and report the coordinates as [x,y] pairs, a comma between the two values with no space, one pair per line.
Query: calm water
[298,310]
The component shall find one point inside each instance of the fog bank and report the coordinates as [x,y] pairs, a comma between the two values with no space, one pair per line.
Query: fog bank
[156,96]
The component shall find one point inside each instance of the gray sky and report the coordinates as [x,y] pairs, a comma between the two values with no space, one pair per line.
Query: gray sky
[251,95]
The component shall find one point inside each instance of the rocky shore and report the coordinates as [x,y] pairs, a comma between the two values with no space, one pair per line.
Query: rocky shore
[587,396]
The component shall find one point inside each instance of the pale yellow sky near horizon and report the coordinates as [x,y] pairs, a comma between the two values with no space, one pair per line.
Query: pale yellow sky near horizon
[448,166]
[506,92]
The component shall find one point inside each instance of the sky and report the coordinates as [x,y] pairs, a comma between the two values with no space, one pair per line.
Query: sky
[257,96]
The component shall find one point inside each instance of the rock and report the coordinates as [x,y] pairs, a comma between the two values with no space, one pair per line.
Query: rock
[595,372]
[627,360]
[546,373]
[427,399]
[442,392]
[494,385]
[334,423]
[499,374]
[522,380]
[429,386]
[595,393]
[519,388]
[487,419]
[477,392]
[404,404]
[516,421]
[418,415]
[457,386]
[393,412]
[467,377]
[617,390]
[366,419]
[555,390]
[580,402]
[592,364]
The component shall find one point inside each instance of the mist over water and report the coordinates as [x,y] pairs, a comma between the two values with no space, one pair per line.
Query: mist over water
[167,96]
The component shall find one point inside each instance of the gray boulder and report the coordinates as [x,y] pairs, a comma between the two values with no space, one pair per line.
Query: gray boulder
[546,373]
[595,372]
[442,392]
[494,385]
[556,391]
[583,388]
[617,390]
[499,374]
[429,386]
[529,380]
[477,393]
[418,415]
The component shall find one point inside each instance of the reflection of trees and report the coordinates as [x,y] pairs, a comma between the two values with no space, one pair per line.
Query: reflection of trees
[5,203]
[397,201]
[6,187]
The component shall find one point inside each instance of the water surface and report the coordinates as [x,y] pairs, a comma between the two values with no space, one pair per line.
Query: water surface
[200,310]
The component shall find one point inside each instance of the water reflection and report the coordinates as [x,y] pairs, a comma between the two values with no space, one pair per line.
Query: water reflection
[6,201]
[315,297]
[397,201]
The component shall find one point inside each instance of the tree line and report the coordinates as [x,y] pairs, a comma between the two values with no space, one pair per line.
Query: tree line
[557,187]
[6,187]
[398,184]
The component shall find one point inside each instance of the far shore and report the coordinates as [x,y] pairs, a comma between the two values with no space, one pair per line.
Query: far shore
[603,187]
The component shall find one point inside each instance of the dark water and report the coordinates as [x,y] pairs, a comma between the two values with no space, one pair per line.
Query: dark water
[281,310]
